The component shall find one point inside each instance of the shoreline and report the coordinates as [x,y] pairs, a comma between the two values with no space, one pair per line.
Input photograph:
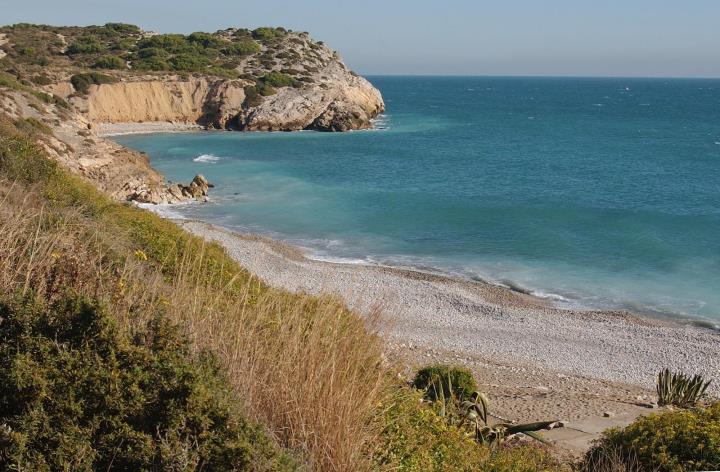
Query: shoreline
[286,266]
[108,130]
[596,369]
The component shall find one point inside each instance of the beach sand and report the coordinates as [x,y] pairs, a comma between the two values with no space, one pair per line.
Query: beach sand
[594,369]
[118,129]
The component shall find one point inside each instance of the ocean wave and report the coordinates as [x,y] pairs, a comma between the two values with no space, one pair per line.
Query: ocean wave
[381,122]
[166,210]
[207,159]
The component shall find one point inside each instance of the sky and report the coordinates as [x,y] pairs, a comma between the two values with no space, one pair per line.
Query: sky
[645,38]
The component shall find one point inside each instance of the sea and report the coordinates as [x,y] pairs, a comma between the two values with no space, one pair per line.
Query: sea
[594,193]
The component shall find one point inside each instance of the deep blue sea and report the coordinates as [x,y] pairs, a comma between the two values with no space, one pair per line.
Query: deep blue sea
[596,192]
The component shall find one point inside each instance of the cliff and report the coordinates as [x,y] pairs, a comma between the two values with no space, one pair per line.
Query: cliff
[78,80]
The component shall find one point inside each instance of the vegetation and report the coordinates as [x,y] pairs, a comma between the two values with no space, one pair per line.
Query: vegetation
[125,47]
[82,82]
[76,393]
[86,45]
[679,389]
[669,442]
[109,62]
[449,389]
[417,438]
[436,378]
[278,79]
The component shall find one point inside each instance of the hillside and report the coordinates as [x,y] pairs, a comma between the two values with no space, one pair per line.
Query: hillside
[269,79]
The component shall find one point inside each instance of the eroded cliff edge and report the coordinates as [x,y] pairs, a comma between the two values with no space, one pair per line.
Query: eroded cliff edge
[78,81]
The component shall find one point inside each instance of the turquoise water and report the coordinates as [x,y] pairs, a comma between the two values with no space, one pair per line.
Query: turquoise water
[597,192]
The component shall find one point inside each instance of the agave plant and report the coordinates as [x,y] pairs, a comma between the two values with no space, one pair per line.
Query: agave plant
[473,413]
[678,389]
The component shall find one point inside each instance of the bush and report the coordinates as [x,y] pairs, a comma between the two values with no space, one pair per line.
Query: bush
[82,82]
[86,45]
[152,52]
[152,63]
[432,377]
[266,33]
[188,63]
[110,62]
[77,394]
[675,441]
[278,79]
[124,44]
[206,40]
[172,43]
[244,47]
[20,157]
[123,28]
[416,438]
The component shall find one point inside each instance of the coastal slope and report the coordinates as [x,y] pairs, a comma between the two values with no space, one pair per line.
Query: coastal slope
[83,83]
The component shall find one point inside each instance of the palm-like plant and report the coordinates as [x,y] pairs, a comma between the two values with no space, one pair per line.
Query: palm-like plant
[472,412]
[678,389]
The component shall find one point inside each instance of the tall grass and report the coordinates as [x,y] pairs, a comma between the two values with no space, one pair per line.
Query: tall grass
[306,367]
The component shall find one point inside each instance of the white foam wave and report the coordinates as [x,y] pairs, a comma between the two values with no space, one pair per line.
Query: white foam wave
[206,158]
[336,260]
[169,211]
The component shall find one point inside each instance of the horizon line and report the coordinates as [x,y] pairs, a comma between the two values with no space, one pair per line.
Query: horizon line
[548,76]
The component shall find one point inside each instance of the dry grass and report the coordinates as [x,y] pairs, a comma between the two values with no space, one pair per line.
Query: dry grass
[306,367]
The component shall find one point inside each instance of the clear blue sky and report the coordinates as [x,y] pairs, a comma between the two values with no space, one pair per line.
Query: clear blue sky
[511,37]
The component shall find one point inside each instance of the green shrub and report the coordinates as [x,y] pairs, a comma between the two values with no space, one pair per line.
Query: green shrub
[432,377]
[109,62]
[124,44]
[172,43]
[82,82]
[21,157]
[416,438]
[123,28]
[266,33]
[676,388]
[665,442]
[78,394]
[152,52]
[152,63]
[86,45]
[243,47]
[278,79]
[188,63]
[206,40]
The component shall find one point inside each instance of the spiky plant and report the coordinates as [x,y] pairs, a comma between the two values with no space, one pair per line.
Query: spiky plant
[473,412]
[678,389]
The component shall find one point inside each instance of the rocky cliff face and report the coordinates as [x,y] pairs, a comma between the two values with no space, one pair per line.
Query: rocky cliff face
[326,97]
[269,79]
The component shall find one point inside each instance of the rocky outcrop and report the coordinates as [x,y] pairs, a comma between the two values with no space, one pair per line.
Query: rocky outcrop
[329,98]
[208,102]
[340,105]
[348,104]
